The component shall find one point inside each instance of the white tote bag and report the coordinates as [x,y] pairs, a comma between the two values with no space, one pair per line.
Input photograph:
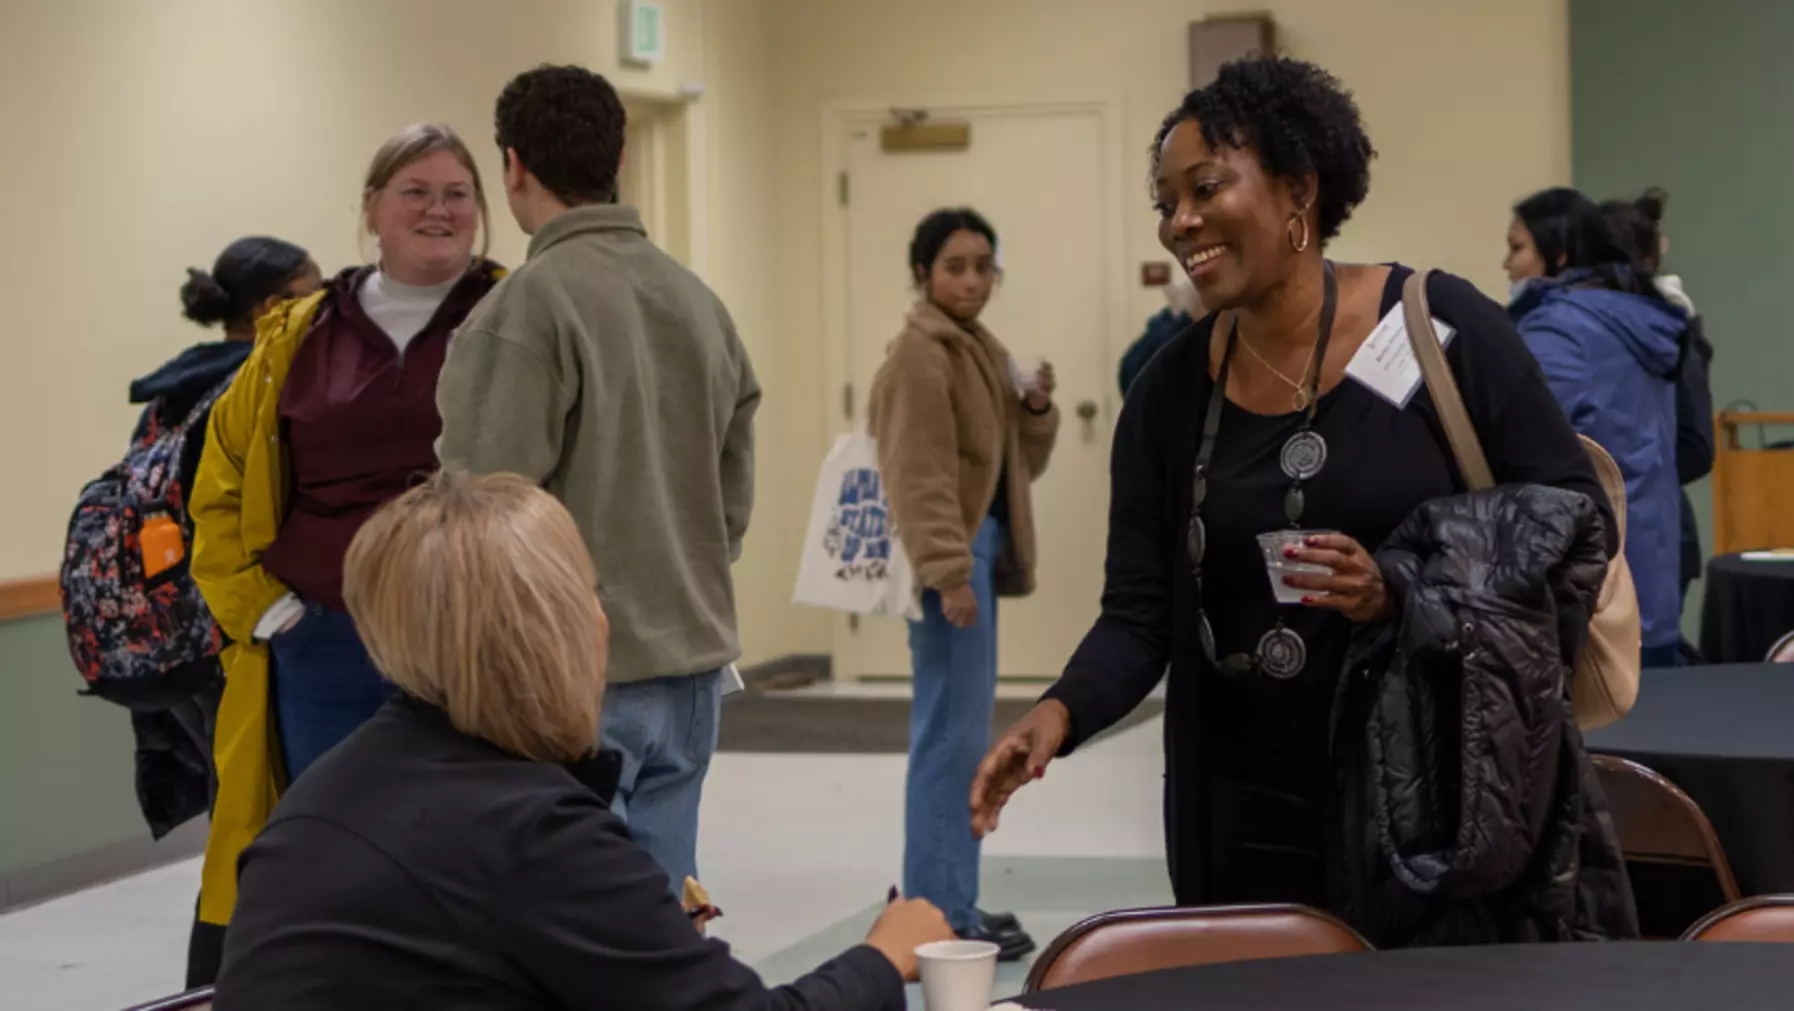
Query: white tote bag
[852,559]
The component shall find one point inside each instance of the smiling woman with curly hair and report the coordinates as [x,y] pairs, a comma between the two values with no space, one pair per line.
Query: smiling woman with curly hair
[1249,427]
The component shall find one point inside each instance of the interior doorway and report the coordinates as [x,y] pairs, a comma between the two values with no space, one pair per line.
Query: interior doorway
[656,174]
[1041,174]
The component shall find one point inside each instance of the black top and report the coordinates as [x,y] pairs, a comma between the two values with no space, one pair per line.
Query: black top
[1382,463]
[416,867]
[1694,437]
[1629,976]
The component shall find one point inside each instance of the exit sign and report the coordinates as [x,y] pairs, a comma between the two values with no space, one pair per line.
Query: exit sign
[642,32]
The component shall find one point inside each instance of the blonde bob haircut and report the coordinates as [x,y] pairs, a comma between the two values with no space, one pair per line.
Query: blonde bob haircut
[477,596]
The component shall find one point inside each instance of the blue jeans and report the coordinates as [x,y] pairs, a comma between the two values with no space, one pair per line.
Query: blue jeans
[665,730]
[955,685]
[324,686]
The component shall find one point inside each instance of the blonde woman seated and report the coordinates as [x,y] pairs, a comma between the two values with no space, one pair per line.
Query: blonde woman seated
[458,849]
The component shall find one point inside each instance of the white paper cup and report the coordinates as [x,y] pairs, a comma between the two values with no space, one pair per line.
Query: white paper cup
[1277,566]
[957,975]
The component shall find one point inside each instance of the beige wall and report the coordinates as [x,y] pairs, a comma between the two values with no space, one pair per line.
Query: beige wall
[737,222]
[1468,105]
[144,135]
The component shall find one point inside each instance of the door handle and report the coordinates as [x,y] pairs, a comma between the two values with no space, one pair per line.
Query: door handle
[1087,410]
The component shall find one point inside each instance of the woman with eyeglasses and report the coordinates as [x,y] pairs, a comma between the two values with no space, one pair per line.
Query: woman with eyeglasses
[1248,425]
[332,416]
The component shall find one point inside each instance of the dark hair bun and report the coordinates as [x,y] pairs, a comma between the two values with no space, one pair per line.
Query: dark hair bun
[1652,203]
[204,300]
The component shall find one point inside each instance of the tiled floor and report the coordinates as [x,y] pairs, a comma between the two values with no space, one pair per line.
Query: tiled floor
[798,849]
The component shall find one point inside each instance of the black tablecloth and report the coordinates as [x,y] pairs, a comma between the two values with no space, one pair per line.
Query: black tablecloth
[1748,606]
[1725,735]
[1667,976]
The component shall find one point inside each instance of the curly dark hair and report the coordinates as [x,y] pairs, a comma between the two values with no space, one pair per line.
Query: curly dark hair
[566,125]
[1297,117]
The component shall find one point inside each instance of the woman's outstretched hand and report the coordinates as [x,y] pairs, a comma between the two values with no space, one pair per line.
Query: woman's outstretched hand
[1355,589]
[1019,757]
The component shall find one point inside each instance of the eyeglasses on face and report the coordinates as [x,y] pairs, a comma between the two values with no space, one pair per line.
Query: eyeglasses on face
[419,199]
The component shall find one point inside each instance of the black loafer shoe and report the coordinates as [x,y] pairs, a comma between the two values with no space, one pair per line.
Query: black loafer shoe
[1011,944]
[998,922]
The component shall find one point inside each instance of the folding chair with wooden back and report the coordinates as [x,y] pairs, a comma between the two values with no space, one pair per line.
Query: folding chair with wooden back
[1144,940]
[1678,868]
[192,1000]
[1762,918]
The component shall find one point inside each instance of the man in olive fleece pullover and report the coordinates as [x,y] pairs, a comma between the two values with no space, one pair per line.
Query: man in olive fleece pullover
[612,375]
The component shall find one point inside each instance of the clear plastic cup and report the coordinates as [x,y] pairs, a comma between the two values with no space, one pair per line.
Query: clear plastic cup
[1277,566]
[1024,372]
[958,975]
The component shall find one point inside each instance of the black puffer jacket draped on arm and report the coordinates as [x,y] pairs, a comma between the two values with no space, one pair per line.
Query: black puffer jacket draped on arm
[1467,811]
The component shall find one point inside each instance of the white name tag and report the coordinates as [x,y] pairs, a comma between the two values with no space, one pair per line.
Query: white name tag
[1385,363]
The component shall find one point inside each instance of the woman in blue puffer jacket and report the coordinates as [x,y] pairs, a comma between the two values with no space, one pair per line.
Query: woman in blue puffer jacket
[1611,348]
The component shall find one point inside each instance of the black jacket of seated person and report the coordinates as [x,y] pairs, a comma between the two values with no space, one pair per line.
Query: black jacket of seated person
[418,867]
[1465,807]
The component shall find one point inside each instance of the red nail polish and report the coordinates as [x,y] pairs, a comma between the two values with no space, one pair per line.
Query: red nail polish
[1290,552]
[1307,600]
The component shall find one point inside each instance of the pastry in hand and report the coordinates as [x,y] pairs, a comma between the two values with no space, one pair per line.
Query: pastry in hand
[697,902]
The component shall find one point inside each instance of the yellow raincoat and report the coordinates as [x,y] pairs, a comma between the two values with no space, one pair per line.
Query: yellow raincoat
[238,502]
[239,498]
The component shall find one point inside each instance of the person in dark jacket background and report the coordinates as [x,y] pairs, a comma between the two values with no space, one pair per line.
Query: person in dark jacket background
[1183,307]
[1638,226]
[458,849]
[174,745]
[1611,347]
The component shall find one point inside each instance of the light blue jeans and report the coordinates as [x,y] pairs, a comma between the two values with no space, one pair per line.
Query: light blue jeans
[665,730]
[955,687]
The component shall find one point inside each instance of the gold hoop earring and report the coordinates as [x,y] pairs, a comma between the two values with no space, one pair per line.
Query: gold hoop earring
[1290,233]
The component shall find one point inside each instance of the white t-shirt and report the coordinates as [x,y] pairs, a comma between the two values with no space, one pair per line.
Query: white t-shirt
[402,310]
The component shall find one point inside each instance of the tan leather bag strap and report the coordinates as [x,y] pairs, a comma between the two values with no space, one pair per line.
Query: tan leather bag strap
[1459,431]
